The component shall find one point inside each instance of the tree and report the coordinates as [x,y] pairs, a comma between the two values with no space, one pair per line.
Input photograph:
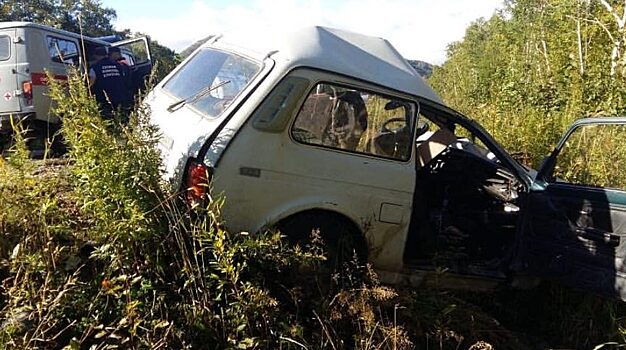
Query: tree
[537,65]
[70,15]
[86,16]
[163,58]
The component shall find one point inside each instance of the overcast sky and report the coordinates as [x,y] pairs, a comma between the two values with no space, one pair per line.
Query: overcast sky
[419,29]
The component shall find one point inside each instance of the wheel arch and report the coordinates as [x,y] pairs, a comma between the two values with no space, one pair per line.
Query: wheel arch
[325,216]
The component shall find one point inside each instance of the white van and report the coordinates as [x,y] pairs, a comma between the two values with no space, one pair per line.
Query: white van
[29,50]
[334,130]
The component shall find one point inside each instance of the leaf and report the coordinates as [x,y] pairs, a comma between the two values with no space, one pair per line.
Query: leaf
[162,324]
[247,343]
[100,334]
[16,251]
[598,347]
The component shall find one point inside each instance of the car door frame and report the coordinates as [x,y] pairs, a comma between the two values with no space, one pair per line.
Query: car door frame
[457,280]
[142,69]
[556,254]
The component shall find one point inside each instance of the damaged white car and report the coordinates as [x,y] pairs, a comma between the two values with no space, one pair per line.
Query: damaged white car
[334,130]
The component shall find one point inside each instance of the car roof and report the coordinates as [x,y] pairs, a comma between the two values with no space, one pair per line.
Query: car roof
[364,57]
[7,25]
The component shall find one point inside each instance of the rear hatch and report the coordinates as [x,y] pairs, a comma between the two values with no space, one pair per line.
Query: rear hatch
[195,102]
[9,103]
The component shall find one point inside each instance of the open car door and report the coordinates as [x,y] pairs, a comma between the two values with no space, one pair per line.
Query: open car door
[137,55]
[574,221]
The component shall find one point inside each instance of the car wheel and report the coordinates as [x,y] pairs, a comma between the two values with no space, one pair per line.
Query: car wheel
[343,242]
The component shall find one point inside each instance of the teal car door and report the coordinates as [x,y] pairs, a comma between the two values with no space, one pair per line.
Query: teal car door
[574,217]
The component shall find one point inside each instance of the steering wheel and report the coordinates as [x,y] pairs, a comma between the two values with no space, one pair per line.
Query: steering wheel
[385,127]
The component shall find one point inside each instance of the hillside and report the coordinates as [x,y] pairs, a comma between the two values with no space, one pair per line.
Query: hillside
[424,69]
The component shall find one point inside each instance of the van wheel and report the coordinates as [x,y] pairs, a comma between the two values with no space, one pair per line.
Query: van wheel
[6,141]
[343,242]
[44,137]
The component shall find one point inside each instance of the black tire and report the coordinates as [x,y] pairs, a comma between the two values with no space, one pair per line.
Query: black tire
[6,141]
[343,242]
[42,137]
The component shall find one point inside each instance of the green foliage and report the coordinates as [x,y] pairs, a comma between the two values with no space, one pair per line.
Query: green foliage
[533,68]
[64,14]
[165,59]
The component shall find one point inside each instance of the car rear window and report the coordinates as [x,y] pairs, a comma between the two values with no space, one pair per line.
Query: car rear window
[5,47]
[224,74]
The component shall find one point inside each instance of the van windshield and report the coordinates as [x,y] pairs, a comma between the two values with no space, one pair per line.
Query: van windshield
[5,48]
[220,74]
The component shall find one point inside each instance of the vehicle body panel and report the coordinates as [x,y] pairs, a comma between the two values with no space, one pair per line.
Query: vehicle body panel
[286,177]
[8,71]
[576,233]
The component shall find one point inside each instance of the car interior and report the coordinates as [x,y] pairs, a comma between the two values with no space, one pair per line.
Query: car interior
[465,202]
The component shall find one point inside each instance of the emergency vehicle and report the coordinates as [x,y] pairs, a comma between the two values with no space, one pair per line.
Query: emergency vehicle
[29,50]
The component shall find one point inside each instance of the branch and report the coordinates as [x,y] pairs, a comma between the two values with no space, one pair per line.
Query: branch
[620,21]
[597,21]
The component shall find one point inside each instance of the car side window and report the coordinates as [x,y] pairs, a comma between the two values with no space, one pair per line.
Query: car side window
[593,155]
[357,121]
[135,51]
[62,50]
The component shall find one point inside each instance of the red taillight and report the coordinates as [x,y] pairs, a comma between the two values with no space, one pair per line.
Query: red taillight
[198,177]
[27,91]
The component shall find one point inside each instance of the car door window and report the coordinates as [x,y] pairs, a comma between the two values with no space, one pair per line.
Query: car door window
[593,155]
[62,50]
[354,120]
[135,52]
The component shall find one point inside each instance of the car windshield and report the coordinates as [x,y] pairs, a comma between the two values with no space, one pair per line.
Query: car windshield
[224,75]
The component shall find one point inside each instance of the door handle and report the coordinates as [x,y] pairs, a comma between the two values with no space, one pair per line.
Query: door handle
[601,236]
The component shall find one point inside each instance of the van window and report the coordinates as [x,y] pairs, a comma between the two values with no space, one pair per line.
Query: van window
[5,47]
[224,75]
[62,50]
[357,121]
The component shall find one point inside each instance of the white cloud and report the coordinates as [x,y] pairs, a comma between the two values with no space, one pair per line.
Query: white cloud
[419,29]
